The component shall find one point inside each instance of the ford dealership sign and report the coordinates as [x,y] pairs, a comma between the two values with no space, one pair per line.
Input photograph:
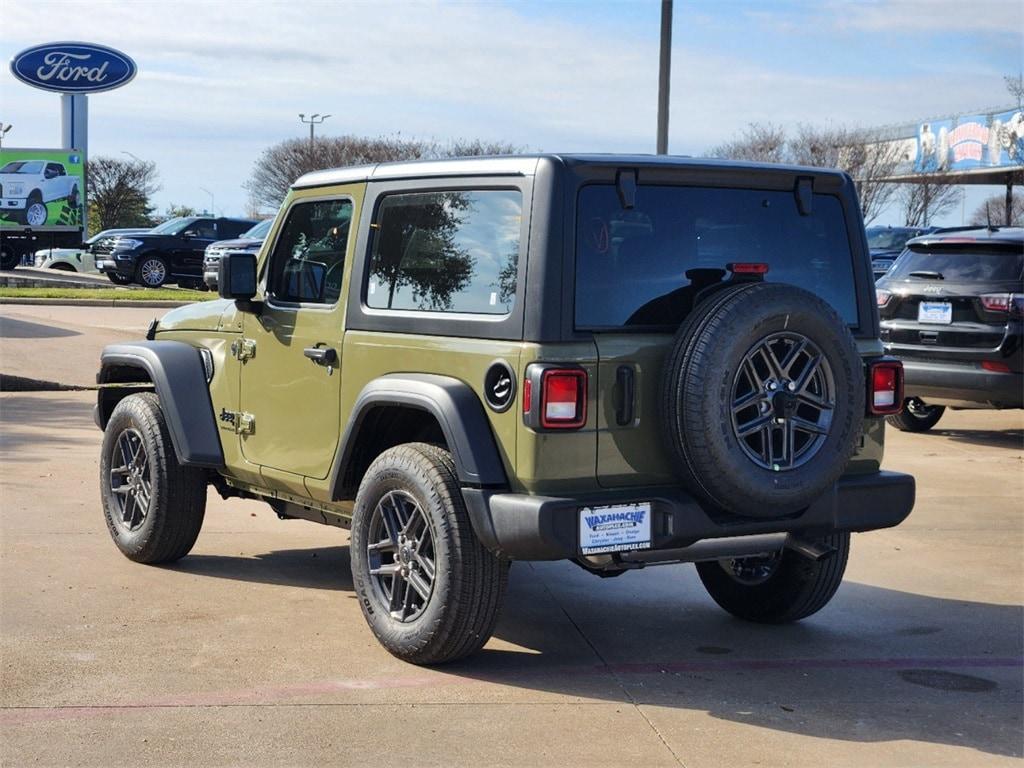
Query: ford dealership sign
[73,67]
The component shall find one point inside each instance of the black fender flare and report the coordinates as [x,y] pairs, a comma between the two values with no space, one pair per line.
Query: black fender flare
[458,411]
[179,376]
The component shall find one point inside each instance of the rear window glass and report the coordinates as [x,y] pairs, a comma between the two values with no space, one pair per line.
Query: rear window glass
[961,264]
[643,267]
[452,251]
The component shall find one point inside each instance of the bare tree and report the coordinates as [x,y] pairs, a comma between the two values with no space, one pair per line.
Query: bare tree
[923,203]
[119,192]
[1015,85]
[866,155]
[280,165]
[762,143]
[993,211]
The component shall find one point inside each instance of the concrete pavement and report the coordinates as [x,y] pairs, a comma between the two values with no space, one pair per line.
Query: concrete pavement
[253,651]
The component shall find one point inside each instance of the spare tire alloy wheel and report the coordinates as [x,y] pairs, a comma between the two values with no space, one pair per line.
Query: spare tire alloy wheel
[762,400]
[152,272]
[783,398]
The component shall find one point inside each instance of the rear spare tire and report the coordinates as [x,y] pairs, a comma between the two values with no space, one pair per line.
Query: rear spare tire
[762,399]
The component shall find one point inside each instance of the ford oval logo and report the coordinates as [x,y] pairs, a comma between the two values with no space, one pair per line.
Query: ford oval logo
[73,67]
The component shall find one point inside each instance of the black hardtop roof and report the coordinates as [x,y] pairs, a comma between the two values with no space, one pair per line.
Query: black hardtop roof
[526,165]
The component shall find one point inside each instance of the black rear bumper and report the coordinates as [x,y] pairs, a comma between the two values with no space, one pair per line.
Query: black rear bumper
[525,527]
[953,383]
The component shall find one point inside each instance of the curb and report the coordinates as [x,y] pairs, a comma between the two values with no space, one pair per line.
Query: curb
[142,304]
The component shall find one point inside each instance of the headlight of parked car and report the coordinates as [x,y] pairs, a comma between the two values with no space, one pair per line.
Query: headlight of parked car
[126,244]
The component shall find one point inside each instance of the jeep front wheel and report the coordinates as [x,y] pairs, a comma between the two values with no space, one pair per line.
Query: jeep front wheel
[428,588]
[780,588]
[154,507]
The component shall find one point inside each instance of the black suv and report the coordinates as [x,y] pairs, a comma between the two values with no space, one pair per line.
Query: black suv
[170,252]
[887,243]
[951,308]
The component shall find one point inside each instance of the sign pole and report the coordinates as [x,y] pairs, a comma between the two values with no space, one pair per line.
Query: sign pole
[74,134]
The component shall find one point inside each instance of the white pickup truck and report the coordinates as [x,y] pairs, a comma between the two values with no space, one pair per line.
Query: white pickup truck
[26,186]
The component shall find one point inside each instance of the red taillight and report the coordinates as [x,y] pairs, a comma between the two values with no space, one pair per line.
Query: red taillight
[885,393]
[563,398]
[995,366]
[527,395]
[1007,303]
[748,268]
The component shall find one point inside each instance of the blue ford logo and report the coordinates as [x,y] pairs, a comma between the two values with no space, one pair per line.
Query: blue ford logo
[73,67]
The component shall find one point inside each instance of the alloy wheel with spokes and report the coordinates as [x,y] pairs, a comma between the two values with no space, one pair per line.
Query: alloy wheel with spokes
[153,273]
[400,552]
[131,480]
[783,400]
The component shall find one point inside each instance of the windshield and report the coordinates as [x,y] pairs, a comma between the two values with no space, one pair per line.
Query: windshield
[977,263]
[171,226]
[887,239]
[23,166]
[259,232]
[646,266]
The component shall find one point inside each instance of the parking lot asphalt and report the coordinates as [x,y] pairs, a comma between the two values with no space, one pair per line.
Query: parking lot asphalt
[252,650]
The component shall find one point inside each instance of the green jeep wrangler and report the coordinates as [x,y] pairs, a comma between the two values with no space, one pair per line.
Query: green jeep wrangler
[619,361]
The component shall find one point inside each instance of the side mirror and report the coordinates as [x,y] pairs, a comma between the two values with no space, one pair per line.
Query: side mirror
[236,277]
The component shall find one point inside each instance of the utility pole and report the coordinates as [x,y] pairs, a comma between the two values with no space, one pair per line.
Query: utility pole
[664,72]
[314,119]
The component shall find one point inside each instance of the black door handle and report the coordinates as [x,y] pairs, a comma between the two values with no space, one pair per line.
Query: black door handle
[321,355]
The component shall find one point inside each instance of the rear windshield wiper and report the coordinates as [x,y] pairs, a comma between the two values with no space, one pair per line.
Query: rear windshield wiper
[928,275]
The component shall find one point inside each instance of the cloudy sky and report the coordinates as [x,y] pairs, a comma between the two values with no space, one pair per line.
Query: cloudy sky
[218,83]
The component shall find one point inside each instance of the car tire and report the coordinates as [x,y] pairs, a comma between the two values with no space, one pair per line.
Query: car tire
[743,462]
[151,272]
[153,506]
[117,279]
[36,212]
[410,523]
[916,416]
[783,588]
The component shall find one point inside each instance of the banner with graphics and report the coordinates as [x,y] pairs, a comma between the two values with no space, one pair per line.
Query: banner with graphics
[41,189]
[970,142]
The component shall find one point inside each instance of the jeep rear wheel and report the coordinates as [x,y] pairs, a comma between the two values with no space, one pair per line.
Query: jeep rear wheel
[916,416]
[154,507]
[784,587]
[763,399]
[428,588]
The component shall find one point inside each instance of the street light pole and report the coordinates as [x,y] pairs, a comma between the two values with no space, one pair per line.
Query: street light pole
[212,210]
[314,119]
[664,71]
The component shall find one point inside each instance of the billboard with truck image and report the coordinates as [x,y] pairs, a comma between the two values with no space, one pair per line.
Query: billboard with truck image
[41,189]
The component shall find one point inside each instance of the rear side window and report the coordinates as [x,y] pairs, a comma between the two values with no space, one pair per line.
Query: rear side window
[450,251]
[644,267]
[960,263]
[309,255]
